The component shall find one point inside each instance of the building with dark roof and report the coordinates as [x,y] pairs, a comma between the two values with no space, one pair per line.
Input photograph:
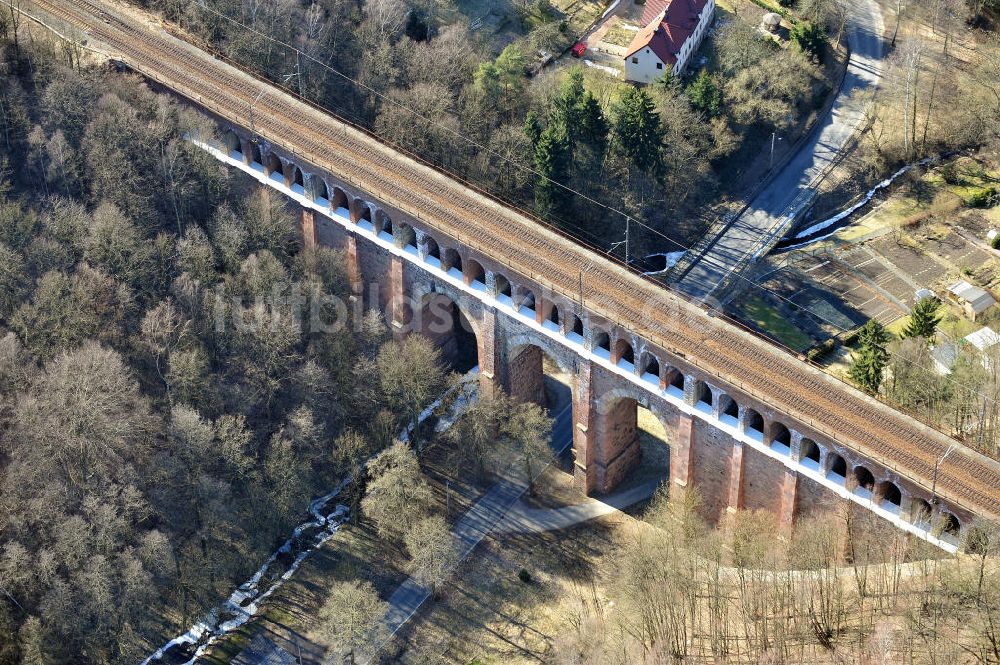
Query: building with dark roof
[673,30]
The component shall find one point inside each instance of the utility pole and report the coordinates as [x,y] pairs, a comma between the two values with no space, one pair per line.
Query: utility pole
[298,70]
[628,226]
[937,466]
[616,245]
[899,15]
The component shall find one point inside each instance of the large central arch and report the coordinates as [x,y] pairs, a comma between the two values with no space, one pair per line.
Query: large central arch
[530,361]
[626,430]
[453,333]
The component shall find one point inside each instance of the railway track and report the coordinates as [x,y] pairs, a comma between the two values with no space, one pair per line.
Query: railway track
[896,441]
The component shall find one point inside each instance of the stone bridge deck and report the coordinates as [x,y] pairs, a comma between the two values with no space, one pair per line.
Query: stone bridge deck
[653,316]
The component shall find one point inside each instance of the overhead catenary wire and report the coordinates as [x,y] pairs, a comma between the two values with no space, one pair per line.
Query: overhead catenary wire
[628,218]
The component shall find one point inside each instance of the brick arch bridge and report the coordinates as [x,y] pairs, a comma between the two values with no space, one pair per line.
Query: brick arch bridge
[749,426]
[736,449]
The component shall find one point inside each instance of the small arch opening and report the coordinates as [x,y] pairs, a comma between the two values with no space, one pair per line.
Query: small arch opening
[275,169]
[676,385]
[407,238]
[920,513]
[950,527]
[298,181]
[838,467]
[232,143]
[552,318]
[504,290]
[475,275]
[781,439]
[256,161]
[651,372]
[432,252]
[624,355]
[385,229]
[755,425]
[865,481]
[321,190]
[527,305]
[340,203]
[703,396]
[575,332]
[731,411]
[453,263]
[365,217]
[889,496]
[602,344]
[809,454]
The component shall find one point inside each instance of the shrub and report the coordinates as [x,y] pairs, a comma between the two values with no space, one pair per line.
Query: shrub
[984,197]
[810,38]
[949,173]
[995,243]
[524,576]
[822,350]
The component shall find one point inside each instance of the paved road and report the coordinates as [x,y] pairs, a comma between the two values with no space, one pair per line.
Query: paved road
[522,519]
[470,530]
[770,214]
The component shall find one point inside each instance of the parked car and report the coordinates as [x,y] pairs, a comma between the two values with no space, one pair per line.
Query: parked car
[578,49]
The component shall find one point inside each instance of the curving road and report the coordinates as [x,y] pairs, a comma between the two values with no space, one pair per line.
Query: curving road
[771,214]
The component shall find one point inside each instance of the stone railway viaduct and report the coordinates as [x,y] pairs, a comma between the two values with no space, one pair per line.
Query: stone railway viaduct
[748,425]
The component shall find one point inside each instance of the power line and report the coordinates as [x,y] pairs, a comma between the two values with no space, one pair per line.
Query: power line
[628,218]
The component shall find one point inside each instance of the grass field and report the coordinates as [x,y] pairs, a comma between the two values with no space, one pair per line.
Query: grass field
[773,323]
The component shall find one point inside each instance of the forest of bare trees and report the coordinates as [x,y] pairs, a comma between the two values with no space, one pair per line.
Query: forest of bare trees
[168,403]
[844,588]
[939,53]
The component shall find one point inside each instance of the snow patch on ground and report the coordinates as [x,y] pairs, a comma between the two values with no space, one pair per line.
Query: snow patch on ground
[670,258]
[610,70]
[245,601]
[844,214]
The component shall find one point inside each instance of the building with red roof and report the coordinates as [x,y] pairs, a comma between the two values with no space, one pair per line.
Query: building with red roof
[674,29]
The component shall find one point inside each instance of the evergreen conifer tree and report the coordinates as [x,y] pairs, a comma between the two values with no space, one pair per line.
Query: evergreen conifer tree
[552,156]
[568,106]
[593,130]
[924,319]
[532,128]
[869,361]
[638,133]
[705,95]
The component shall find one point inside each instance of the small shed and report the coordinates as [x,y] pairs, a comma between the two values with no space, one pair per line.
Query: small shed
[973,300]
[983,339]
